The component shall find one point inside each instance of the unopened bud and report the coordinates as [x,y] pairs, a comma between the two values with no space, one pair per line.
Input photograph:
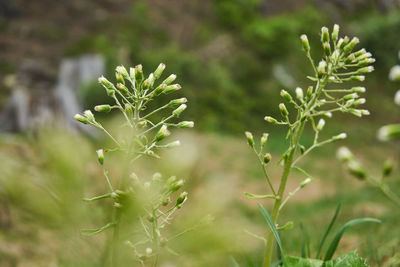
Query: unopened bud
[162,133]
[123,72]
[351,45]
[350,96]
[344,154]
[264,139]
[110,88]
[387,167]
[394,74]
[129,109]
[138,74]
[305,43]
[149,251]
[89,115]
[283,110]
[170,79]
[100,156]
[185,124]
[171,88]
[149,82]
[177,102]
[397,98]
[271,120]
[305,182]
[360,52]
[173,144]
[299,93]
[102,108]
[267,158]
[122,88]
[159,89]
[358,89]
[359,78]
[335,33]
[324,35]
[179,110]
[321,124]
[355,168]
[327,48]
[181,199]
[389,132]
[285,95]
[119,78]
[365,70]
[250,139]
[81,118]
[132,74]
[176,186]
[360,101]
[309,92]
[159,71]
[321,69]
[340,136]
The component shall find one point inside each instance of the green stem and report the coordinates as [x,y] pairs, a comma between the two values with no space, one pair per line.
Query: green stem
[115,238]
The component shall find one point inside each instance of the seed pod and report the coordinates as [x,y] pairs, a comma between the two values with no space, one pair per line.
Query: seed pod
[179,110]
[267,158]
[170,79]
[283,110]
[100,156]
[335,33]
[305,43]
[324,35]
[250,139]
[185,124]
[103,108]
[270,120]
[81,119]
[159,71]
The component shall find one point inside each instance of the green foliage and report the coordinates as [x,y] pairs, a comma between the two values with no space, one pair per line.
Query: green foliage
[348,260]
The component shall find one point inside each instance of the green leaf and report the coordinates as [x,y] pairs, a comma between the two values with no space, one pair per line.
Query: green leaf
[336,239]
[250,195]
[328,230]
[301,262]
[90,232]
[347,260]
[271,224]
[97,198]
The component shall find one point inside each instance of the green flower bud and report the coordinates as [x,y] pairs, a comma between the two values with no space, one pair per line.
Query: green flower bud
[321,69]
[351,45]
[355,168]
[327,48]
[358,89]
[138,74]
[309,92]
[89,116]
[173,144]
[387,167]
[171,88]
[181,199]
[177,102]
[340,136]
[149,251]
[80,118]
[166,201]
[350,58]
[170,79]
[270,120]
[103,108]
[344,154]
[128,110]
[389,132]
[159,71]
[132,74]
[176,186]
[122,88]
[185,124]
[149,82]
[267,158]
[110,88]
[119,78]
[343,42]
[360,52]
[100,156]
[171,180]
[160,89]
[285,95]
[397,98]
[250,139]
[123,72]
[365,70]
[321,124]
[355,112]
[162,133]
[179,110]
[335,33]
[324,35]
[283,110]
[305,182]
[360,101]
[299,93]
[305,43]
[358,78]
[264,139]
[142,123]
[350,96]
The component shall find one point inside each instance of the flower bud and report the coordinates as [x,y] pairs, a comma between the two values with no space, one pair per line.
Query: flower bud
[327,48]
[89,115]
[171,88]
[355,112]
[250,139]
[283,110]
[81,119]
[103,108]
[321,124]
[179,110]
[267,158]
[138,74]
[185,124]
[156,177]
[149,251]
[264,139]
[170,79]
[159,71]
[181,199]
[100,156]
[159,89]
[350,58]
[285,95]
[171,180]
[321,69]
[397,98]
[350,96]
[387,167]
[342,42]
[177,102]
[335,33]
[340,136]
[132,74]
[110,88]
[309,92]
[327,114]
[166,201]
[123,72]
[360,52]
[389,132]
[324,35]
[176,186]
[173,144]
[365,112]
[122,88]
[351,45]
[394,74]
[358,89]
[359,78]
[299,93]
[360,101]
[365,70]
[305,182]
[142,123]
[129,110]
[355,168]
[344,154]
[305,43]
[149,82]
[119,78]
[270,120]
[162,133]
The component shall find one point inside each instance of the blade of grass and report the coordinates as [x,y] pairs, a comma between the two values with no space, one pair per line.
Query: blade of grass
[335,242]
[328,230]
[271,224]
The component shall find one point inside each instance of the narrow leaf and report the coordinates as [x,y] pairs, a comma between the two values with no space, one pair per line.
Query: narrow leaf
[254,196]
[328,230]
[97,198]
[336,239]
[271,224]
[90,232]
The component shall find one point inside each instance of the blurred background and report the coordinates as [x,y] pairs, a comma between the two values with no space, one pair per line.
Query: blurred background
[232,58]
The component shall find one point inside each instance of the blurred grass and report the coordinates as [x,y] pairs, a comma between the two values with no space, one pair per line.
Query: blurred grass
[44,178]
